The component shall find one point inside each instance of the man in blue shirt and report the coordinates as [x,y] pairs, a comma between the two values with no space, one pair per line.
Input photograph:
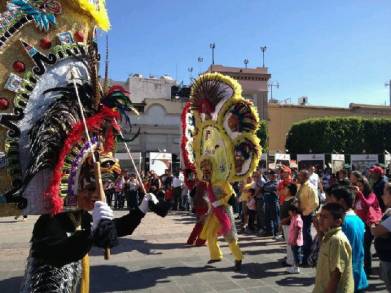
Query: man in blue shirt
[272,208]
[354,229]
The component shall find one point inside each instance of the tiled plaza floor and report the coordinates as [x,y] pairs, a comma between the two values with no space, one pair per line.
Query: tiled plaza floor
[155,259]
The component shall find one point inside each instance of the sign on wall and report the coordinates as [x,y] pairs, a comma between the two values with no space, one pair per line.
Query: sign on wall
[337,162]
[363,162]
[160,162]
[282,159]
[306,161]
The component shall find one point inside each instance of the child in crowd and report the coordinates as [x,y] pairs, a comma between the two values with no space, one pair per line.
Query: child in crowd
[334,272]
[295,238]
[252,210]
[290,192]
[382,233]
[354,229]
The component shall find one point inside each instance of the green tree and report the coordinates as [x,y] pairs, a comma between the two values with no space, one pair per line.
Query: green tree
[340,135]
[263,135]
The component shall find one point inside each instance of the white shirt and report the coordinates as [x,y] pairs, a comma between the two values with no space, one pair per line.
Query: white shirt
[314,180]
[176,182]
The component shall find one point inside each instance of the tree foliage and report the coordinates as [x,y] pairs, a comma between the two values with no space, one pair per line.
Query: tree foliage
[349,135]
[262,134]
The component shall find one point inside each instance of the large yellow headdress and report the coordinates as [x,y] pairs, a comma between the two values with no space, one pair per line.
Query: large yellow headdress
[219,130]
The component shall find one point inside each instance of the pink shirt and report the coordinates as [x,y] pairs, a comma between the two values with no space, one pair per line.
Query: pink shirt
[295,234]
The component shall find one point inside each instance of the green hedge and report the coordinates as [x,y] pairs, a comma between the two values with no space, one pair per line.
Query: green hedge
[349,135]
[262,134]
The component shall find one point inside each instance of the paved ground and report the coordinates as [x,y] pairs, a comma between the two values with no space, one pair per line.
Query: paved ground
[155,259]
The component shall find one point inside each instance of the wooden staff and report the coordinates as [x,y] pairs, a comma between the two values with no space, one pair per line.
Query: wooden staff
[131,159]
[98,175]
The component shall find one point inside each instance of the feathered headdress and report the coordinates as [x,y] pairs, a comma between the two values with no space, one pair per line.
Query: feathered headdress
[42,140]
[219,130]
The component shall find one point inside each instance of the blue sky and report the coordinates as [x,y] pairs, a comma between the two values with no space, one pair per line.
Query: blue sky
[335,52]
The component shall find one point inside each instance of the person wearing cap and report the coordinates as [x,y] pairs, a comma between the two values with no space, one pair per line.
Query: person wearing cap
[376,174]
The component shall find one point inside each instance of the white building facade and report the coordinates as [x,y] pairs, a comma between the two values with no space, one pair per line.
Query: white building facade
[159,119]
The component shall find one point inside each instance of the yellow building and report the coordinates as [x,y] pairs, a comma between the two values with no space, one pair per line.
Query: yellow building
[281,117]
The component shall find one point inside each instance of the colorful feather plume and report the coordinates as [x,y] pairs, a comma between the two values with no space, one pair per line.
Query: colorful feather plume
[247,121]
[207,92]
[95,125]
[118,98]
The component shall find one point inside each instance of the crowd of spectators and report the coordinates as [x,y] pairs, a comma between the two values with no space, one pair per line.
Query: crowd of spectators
[329,221]
[126,191]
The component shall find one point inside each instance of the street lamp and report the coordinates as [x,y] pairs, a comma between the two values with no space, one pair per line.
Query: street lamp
[200,60]
[245,61]
[263,49]
[190,70]
[275,84]
[213,46]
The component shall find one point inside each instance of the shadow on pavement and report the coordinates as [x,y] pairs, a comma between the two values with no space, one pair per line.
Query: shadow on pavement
[108,278]
[264,251]
[113,278]
[296,282]
[261,270]
[10,285]
[142,246]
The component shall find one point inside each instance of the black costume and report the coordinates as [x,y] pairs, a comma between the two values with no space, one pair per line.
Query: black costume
[57,247]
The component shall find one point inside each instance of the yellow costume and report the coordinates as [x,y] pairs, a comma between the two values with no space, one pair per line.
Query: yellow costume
[210,232]
[221,143]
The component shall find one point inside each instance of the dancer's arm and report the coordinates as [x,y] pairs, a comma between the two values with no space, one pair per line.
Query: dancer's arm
[52,243]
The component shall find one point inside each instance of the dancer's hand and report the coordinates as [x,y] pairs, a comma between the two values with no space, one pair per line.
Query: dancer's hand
[144,205]
[217,203]
[101,211]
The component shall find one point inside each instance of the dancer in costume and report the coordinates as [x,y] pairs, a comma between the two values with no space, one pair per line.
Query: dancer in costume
[58,132]
[200,207]
[221,143]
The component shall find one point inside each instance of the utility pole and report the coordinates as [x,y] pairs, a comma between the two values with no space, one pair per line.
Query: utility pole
[200,60]
[190,70]
[275,84]
[389,87]
[245,61]
[263,49]
[213,46]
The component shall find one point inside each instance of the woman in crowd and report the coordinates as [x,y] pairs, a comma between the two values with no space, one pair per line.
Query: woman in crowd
[368,209]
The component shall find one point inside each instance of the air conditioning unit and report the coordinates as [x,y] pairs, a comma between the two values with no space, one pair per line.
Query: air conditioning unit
[303,101]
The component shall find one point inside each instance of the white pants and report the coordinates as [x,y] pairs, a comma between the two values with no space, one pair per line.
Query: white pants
[289,253]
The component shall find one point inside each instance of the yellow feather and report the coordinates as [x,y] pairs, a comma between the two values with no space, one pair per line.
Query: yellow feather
[99,14]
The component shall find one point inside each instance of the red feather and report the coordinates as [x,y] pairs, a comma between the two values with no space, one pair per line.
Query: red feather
[109,140]
[185,155]
[94,123]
